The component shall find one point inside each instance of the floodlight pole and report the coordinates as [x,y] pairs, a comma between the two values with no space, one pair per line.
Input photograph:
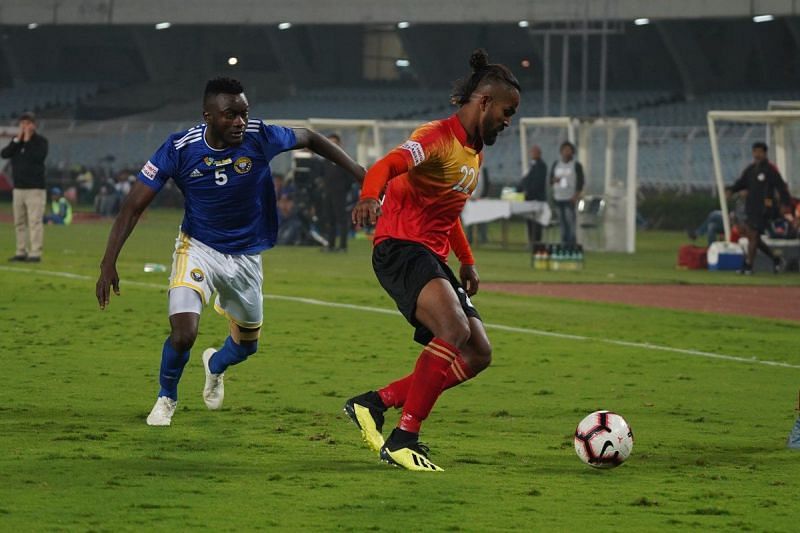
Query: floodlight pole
[564,73]
[723,200]
[546,77]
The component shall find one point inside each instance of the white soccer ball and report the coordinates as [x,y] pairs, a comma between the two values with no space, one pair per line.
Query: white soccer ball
[603,440]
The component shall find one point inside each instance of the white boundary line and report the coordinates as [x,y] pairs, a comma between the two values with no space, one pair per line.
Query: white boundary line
[500,327]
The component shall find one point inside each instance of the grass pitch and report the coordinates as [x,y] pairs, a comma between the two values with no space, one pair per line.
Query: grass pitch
[78,383]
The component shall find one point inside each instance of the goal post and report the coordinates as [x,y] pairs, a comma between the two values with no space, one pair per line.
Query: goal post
[783,131]
[608,150]
[359,137]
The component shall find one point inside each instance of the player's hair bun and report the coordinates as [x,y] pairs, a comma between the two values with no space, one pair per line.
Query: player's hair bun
[479,59]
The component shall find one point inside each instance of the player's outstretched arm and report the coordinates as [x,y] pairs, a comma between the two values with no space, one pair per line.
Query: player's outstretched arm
[135,203]
[320,145]
[368,208]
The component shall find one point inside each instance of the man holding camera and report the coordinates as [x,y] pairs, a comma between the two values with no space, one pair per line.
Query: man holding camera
[27,152]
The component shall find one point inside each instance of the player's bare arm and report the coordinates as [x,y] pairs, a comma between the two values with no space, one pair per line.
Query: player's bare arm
[132,208]
[469,279]
[468,273]
[322,146]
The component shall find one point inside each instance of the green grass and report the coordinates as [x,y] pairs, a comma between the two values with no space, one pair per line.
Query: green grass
[654,262]
[78,384]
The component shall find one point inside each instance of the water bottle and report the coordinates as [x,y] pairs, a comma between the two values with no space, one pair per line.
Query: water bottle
[155,267]
[555,259]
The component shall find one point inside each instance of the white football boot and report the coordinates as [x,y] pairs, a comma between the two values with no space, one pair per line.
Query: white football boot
[162,412]
[214,390]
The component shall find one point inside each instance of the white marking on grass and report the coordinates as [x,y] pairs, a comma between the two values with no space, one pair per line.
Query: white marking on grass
[501,327]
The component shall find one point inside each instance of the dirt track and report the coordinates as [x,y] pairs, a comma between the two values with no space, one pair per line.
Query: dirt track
[769,302]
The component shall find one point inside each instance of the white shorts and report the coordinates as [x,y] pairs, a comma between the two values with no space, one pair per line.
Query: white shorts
[237,280]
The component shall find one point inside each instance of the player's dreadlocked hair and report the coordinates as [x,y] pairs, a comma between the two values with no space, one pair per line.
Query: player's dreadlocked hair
[222,86]
[482,70]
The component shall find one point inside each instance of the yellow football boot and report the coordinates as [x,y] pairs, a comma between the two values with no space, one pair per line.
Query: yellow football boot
[366,411]
[411,455]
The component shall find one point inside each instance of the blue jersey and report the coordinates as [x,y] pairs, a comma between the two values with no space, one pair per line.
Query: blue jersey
[229,197]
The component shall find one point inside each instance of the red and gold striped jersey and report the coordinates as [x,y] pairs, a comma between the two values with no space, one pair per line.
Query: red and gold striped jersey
[423,204]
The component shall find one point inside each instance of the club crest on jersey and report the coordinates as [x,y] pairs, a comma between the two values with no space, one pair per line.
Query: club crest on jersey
[197,275]
[211,162]
[243,165]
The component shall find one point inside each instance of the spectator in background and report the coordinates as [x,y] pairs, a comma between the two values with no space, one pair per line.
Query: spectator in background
[336,183]
[278,181]
[290,229]
[85,181]
[712,227]
[107,201]
[767,193]
[27,152]
[60,209]
[566,177]
[534,186]
[122,186]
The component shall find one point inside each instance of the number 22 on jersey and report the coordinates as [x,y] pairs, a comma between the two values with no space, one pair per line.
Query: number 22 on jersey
[469,178]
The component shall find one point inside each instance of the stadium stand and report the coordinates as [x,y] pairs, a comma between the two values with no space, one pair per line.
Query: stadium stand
[673,140]
[121,106]
[42,96]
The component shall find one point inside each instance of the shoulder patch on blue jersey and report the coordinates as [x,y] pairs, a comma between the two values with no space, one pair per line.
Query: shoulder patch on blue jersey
[150,171]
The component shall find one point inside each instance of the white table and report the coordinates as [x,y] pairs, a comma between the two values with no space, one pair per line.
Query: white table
[488,209]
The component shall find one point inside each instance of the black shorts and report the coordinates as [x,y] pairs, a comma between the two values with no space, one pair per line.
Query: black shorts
[756,221]
[403,268]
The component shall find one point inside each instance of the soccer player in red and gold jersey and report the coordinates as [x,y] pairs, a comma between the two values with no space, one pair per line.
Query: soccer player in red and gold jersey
[425,183]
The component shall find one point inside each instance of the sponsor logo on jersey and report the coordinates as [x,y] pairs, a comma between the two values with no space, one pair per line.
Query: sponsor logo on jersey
[211,162]
[195,173]
[243,165]
[416,151]
[197,275]
[150,170]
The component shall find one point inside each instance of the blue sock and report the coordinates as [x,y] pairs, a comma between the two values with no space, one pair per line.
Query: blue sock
[172,363]
[231,354]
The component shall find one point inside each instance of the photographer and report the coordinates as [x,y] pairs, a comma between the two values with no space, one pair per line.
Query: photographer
[27,152]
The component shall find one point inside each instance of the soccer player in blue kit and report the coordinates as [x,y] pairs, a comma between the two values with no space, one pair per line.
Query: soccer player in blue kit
[222,168]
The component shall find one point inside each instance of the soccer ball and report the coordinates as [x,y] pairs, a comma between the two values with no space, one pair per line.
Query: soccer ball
[603,440]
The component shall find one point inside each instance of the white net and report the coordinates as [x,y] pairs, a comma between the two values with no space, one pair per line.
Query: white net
[607,150]
[780,127]
[788,145]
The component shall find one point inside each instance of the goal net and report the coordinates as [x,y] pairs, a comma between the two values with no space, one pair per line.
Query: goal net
[781,130]
[365,140]
[607,149]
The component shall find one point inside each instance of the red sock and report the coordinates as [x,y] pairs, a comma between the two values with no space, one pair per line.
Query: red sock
[459,372]
[430,374]
[394,394]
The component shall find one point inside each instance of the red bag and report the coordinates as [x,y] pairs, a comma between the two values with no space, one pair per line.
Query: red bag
[692,257]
